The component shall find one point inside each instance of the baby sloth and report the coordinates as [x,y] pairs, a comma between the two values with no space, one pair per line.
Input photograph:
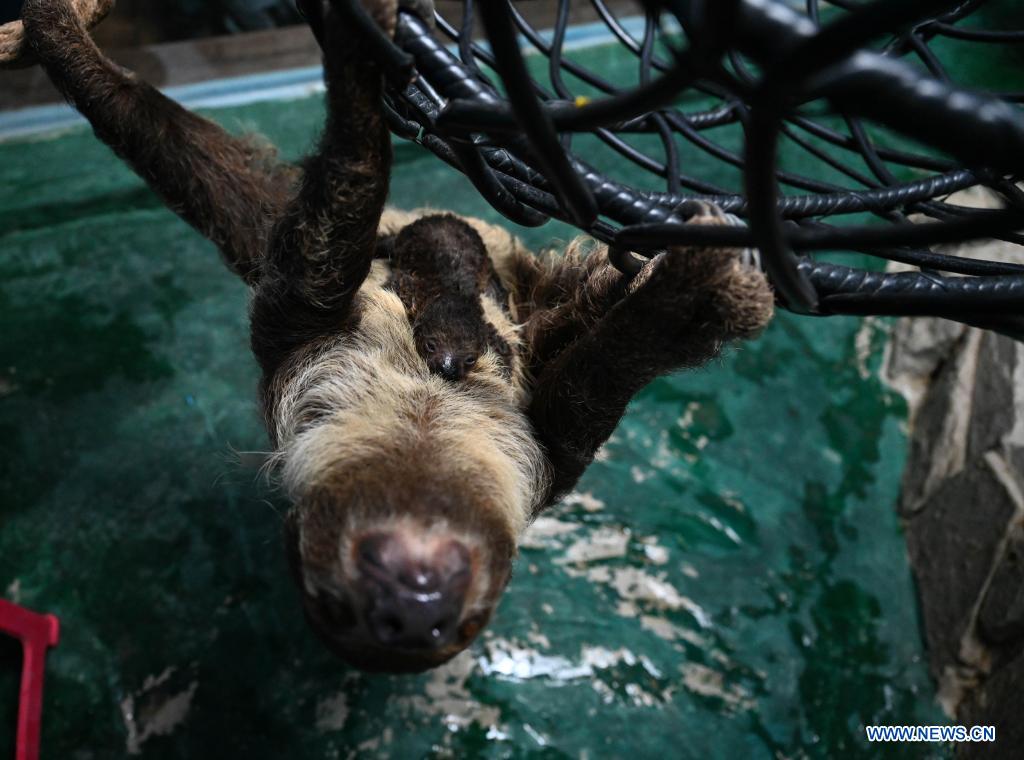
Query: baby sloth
[442,272]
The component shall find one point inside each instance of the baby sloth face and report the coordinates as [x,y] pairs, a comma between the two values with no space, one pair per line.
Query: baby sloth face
[451,334]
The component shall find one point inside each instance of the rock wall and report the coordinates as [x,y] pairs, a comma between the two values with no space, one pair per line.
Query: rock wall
[962,503]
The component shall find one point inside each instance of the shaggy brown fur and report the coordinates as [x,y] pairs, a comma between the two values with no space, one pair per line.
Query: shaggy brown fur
[367,438]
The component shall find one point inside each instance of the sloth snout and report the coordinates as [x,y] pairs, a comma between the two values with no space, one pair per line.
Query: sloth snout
[446,365]
[414,592]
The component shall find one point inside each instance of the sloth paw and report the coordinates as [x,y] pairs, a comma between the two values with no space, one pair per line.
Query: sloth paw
[744,300]
[720,285]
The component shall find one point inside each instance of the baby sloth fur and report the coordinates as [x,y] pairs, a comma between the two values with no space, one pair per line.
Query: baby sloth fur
[409,492]
[442,272]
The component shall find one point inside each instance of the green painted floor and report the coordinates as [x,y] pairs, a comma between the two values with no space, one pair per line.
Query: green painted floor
[728,581]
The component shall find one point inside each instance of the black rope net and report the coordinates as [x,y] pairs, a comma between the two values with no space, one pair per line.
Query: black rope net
[819,127]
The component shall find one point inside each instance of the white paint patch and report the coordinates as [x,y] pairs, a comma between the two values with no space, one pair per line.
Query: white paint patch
[638,475]
[373,745]
[521,663]
[626,609]
[535,735]
[496,735]
[686,421]
[862,345]
[14,591]
[732,499]
[585,499]
[448,697]
[721,527]
[149,712]
[510,659]
[601,544]
[640,697]
[332,713]
[544,533]
[655,554]
[600,658]
[152,681]
[634,585]
[669,631]
[702,680]
[538,638]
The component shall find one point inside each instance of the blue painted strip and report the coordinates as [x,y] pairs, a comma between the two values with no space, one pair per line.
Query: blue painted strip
[289,84]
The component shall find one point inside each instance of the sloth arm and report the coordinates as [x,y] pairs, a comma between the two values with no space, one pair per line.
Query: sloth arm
[567,299]
[228,188]
[678,313]
[323,244]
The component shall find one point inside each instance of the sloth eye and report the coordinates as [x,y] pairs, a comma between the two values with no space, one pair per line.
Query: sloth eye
[469,361]
[430,345]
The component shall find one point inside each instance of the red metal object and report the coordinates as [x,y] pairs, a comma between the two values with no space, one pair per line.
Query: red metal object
[37,634]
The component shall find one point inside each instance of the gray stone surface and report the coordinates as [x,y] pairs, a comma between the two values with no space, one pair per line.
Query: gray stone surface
[1001,618]
[952,542]
[963,508]
[919,347]
[992,402]
[940,419]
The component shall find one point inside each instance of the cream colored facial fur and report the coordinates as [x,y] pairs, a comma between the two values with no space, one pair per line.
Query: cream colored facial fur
[367,395]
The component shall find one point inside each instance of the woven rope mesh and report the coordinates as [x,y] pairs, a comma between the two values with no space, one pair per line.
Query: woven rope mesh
[821,127]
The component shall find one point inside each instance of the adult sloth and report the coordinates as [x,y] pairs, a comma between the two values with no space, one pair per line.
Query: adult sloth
[410,491]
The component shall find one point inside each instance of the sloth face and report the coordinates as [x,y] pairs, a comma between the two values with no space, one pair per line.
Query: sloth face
[410,492]
[451,334]
[448,357]
[396,594]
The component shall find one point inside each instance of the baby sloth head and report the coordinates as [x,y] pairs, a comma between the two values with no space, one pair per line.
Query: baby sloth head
[451,334]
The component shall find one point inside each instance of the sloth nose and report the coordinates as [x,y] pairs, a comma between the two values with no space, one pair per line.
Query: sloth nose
[414,592]
[446,366]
